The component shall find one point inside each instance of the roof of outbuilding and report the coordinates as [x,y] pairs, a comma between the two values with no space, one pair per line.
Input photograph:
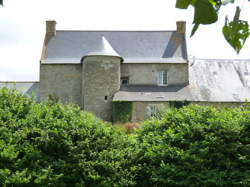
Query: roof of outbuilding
[28,88]
[160,46]
[209,81]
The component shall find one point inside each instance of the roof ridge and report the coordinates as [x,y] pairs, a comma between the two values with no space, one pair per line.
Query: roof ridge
[19,82]
[116,30]
[220,59]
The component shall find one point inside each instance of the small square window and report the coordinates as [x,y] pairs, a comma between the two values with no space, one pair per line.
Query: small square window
[124,80]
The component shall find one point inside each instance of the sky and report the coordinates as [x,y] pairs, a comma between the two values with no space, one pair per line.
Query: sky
[22,28]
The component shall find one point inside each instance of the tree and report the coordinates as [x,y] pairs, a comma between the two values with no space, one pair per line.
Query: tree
[206,12]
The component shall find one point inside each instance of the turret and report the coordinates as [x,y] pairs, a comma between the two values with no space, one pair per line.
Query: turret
[101,79]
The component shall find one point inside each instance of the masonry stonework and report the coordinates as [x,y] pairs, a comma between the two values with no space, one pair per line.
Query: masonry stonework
[146,74]
[61,80]
[101,75]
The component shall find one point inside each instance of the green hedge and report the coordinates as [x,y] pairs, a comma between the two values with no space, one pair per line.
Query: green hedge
[50,144]
[122,111]
[195,146]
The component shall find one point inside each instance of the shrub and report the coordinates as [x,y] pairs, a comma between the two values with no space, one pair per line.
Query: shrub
[195,146]
[50,144]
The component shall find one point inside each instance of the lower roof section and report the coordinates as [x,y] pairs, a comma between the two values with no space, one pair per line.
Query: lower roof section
[209,81]
[27,88]
[152,93]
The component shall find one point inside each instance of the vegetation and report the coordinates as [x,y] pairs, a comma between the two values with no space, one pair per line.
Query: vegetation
[51,144]
[178,104]
[195,146]
[206,12]
[122,111]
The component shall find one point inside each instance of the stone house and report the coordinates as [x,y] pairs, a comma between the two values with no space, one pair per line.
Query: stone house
[147,68]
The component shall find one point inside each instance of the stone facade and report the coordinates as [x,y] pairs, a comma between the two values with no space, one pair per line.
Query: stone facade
[63,81]
[148,68]
[146,73]
[101,80]
[93,83]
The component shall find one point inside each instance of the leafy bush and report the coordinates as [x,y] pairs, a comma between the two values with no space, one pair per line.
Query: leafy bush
[50,144]
[195,146]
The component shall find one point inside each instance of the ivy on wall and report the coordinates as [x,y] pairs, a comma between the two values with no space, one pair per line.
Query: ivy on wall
[179,104]
[122,111]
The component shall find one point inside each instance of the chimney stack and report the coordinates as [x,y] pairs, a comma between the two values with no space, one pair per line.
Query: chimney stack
[181,27]
[51,27]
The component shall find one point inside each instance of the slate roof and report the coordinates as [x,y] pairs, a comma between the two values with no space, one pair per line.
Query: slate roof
[104,49]
[209,81]
[27,88]
[133,46]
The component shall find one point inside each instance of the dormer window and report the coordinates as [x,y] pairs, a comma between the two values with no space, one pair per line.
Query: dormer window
[162,78]
[124,80]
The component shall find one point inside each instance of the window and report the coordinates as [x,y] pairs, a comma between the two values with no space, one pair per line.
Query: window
[106,98]
[124,80]
[153,110]
[162,78]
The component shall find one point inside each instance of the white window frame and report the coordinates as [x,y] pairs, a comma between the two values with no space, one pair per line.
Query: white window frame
[160,78]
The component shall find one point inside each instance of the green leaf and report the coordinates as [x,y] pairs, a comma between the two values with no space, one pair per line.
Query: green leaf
[196,26]
[2,179]
[236,32]
[205,13]
[182,4]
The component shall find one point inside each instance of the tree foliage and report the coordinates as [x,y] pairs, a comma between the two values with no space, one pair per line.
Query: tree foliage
[206,12]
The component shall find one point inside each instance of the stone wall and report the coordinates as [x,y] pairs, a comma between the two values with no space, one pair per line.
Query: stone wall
[101,77]
[63,81]
[147,73]
[143,110]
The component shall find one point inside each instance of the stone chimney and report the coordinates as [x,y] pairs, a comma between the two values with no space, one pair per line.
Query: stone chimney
[51,28]
[181,27]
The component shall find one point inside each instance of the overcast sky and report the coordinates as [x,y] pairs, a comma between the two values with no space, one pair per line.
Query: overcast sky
[22,28]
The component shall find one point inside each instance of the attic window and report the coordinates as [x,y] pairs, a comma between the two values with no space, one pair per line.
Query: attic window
[162,78]
[124,80]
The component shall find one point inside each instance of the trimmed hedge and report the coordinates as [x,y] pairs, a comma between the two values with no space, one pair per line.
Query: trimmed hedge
[122,111]
[50,144]
[195,146]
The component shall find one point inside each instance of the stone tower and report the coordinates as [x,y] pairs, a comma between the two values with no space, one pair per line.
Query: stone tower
[101,79]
